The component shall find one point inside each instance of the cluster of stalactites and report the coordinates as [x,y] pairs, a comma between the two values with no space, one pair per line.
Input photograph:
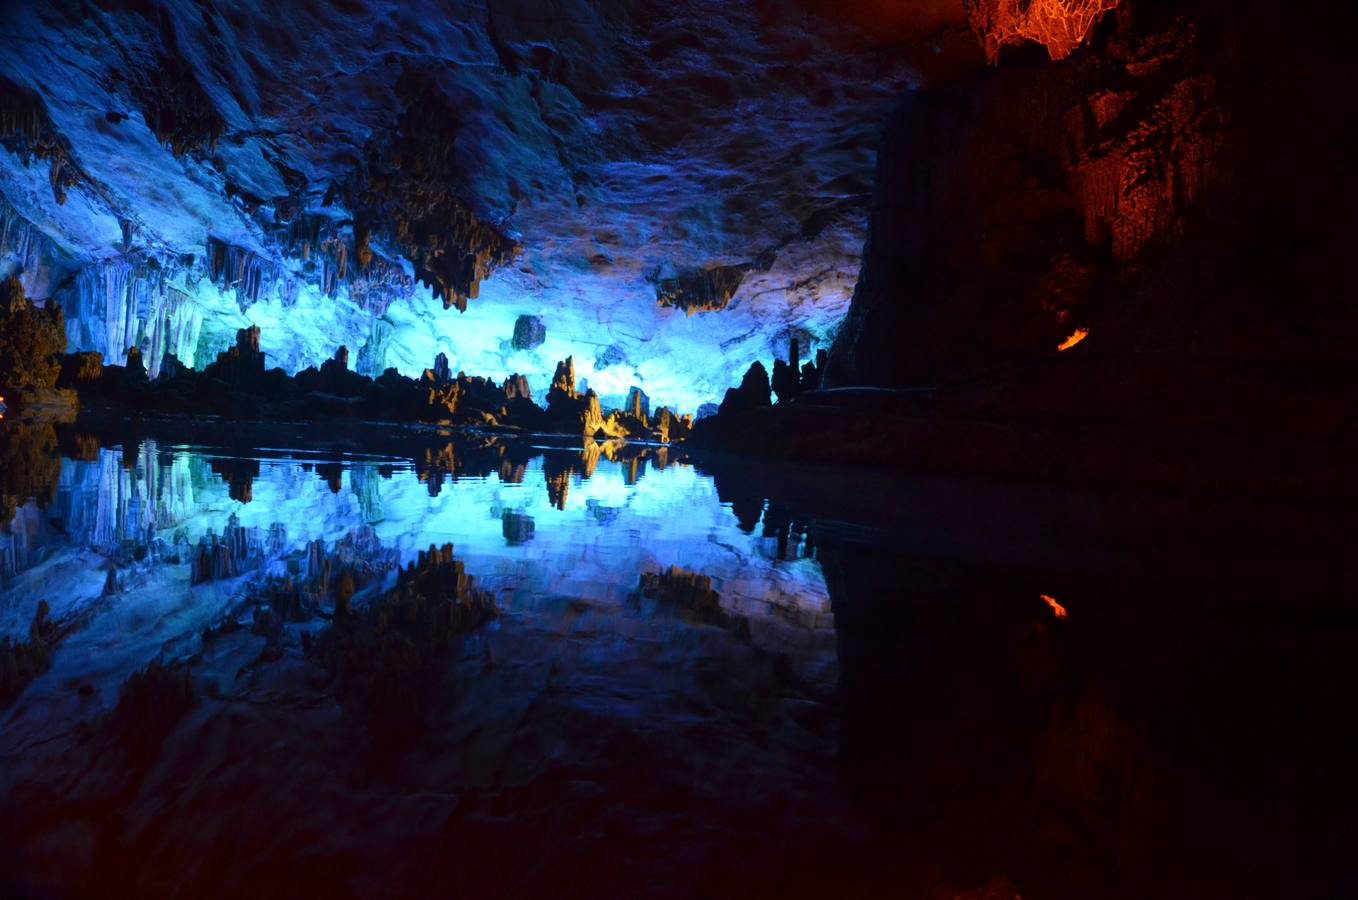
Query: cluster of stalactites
[702,289]
[1058,25]
[27,131]
[19,239]
[252,276]
[127,303]
[345,259]
[410,189]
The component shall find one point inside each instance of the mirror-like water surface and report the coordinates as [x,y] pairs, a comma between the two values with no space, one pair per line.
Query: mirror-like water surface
[233,667]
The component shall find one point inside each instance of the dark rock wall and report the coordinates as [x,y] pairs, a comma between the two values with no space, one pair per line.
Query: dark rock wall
[1176,186]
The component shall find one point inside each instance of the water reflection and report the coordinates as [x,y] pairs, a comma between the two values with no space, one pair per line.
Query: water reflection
[533,520]
[664,693]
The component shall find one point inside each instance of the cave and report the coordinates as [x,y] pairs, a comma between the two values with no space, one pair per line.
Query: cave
[699,448]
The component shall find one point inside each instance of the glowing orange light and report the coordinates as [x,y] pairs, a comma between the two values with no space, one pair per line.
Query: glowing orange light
[1079,335]
[1056,607]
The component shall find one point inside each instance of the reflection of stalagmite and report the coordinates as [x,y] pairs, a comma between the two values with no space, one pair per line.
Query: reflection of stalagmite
[692,593]
[236,551]
[380,656]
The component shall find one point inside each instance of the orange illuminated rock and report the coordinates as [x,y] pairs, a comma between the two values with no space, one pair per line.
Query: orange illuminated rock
[1058,25]
[1057,609]
[1079,335]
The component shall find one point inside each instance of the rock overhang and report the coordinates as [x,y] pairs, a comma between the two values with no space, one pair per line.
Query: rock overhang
[562,160]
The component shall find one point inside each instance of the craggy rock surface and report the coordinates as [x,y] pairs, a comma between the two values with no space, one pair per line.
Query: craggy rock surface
[1171,186]
[338,173]
[1167,192]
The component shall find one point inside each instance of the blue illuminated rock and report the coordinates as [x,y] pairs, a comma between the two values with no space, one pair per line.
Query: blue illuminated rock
[170,179]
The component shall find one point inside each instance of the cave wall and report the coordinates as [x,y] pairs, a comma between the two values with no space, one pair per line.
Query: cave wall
[340,173]
[1175,186]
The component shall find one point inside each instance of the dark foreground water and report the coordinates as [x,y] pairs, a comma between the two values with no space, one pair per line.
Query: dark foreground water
[706,677]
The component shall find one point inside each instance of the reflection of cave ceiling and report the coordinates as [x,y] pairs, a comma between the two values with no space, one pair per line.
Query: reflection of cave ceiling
[674,187]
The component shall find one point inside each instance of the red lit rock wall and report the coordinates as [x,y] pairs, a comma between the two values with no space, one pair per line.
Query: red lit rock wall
[1175,185]
[1058,25]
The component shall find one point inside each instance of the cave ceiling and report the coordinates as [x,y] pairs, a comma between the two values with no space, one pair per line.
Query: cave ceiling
[675,188]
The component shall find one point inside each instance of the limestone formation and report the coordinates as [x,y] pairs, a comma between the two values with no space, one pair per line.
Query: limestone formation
[1058,25]
[638,404]
[529,332]
[31,340]
[753,392]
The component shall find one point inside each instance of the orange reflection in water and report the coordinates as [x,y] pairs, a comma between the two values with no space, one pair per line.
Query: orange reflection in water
[1079,335]
[1056,607]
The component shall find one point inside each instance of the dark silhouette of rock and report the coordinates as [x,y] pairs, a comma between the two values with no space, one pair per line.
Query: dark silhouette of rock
[380,657]
[786,381]
[638,404]
[529,332]
[753,392]
[517,527]
[516,387]
[441,373]
[241,362]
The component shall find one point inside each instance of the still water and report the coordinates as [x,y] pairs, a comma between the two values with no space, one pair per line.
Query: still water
[858,687]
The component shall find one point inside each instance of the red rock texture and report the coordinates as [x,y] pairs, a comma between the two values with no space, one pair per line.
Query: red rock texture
[1170,186]
[1058,25]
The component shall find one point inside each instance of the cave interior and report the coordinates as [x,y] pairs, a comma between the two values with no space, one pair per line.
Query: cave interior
[676,448]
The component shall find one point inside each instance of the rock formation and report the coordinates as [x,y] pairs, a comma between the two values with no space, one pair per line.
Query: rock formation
[312,184]
[380,658]
[1084,193]
[529,332]
[753,392]
[31,342]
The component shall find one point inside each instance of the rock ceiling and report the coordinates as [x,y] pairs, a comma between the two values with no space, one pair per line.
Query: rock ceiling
[674,188]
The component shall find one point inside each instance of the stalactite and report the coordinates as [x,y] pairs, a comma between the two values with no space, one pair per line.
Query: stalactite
[252,276]
[1058,25]
[27,131]
[372,356]
[20,241]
